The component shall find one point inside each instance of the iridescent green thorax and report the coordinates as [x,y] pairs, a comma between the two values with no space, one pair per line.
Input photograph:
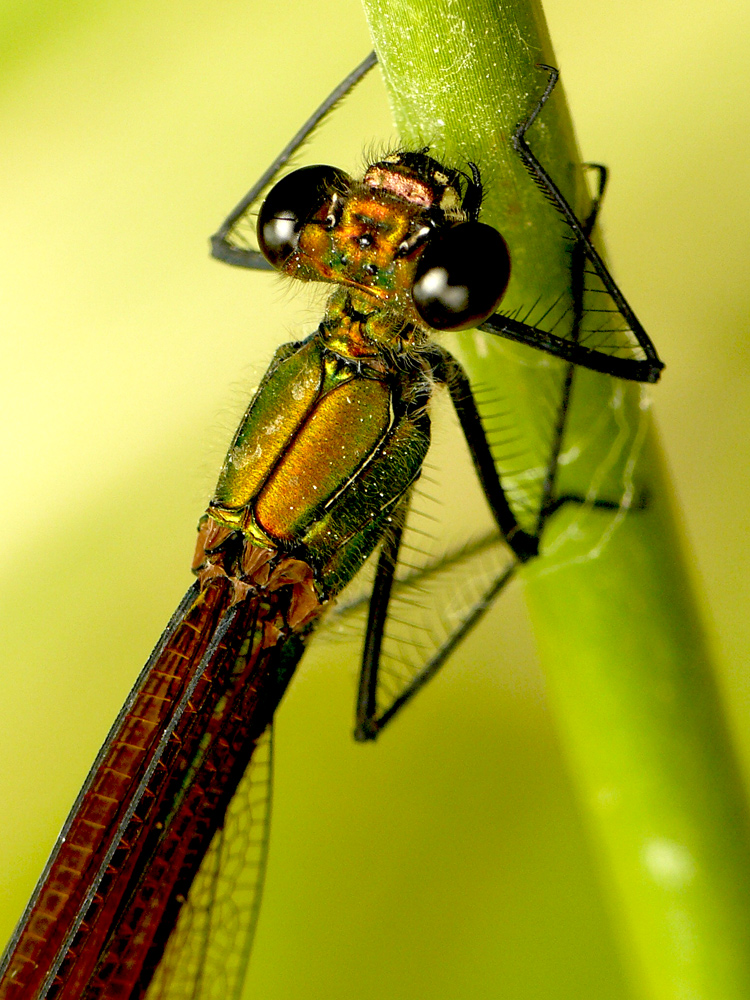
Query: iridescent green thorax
[327,448]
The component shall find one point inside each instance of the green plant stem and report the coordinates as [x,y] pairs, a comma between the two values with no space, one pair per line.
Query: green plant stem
[617,627]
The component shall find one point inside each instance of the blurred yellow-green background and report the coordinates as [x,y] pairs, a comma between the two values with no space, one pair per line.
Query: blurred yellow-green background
[450,859]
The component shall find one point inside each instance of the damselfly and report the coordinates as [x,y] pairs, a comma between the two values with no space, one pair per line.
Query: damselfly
[153,886]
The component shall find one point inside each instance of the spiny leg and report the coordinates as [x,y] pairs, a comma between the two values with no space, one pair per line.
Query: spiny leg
[548,503]
[373,715]
[647,370]
[450,373]
[631,369]
[367,723]
[221,248]
[376,724]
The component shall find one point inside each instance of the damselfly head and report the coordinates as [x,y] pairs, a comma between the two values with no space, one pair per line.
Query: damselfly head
[405,238]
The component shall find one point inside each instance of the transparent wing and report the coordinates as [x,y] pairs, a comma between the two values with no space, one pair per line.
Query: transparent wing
[209,950]
[430,611]
[451,555]
[523,432]
[612,340]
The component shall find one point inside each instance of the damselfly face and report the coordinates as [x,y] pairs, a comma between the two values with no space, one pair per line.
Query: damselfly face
[404,239]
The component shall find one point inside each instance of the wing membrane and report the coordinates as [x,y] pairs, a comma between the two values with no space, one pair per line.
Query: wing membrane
[209,950]
[430,611]
[450,558]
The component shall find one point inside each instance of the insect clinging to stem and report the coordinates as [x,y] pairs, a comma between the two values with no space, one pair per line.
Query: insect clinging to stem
[146,892]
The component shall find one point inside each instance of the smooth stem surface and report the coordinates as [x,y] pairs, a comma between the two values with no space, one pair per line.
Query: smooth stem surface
[617,627]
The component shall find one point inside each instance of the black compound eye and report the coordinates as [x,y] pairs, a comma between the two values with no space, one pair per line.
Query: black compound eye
[461,276]
[293,202]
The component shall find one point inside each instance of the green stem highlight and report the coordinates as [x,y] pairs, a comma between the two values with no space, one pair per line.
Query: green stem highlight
[617,626]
